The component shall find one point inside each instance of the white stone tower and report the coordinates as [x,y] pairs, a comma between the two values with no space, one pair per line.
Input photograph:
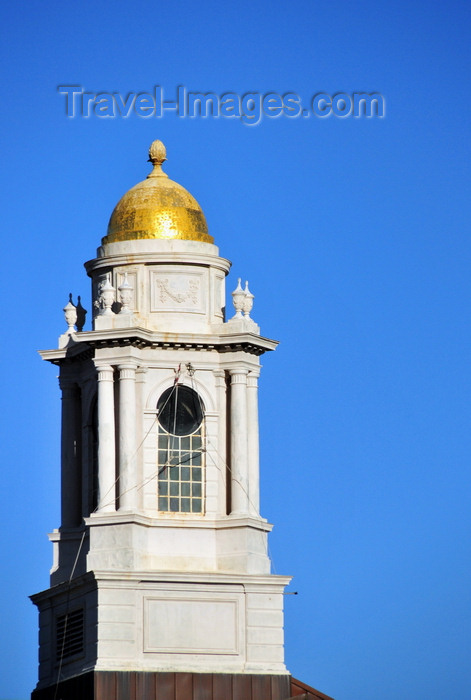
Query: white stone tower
[161,581]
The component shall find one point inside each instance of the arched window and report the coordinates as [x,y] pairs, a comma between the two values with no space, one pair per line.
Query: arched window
[180,451]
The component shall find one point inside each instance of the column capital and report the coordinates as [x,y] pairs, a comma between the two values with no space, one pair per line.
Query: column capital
[141,372]
[252,380]
[239,376]
[127,370]
[105,373]
[220,377]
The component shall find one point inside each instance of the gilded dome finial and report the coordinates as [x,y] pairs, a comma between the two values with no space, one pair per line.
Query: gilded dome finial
[158,208]
[157,156]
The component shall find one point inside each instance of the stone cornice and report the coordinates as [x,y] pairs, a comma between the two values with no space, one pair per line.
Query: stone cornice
[83,344]
[147,258]
[129,579]
[203,523]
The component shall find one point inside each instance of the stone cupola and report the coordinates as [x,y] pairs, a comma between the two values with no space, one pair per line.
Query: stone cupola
[160,562]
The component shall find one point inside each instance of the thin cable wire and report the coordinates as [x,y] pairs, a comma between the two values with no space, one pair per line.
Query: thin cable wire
[79,549]
[156,474]
[229,469]
[116,481]
[59,671]
[83,538]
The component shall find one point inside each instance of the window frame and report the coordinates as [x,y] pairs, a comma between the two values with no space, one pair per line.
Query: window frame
[181,486]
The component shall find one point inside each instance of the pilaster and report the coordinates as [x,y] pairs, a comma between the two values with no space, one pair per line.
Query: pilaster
[71,507]
[141,378]
[239,461]
[253,442]
[106,439]
[221,454]
[127,476]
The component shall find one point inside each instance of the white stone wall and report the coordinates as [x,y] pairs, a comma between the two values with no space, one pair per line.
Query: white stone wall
[162,591]
[176,285]
[213,624]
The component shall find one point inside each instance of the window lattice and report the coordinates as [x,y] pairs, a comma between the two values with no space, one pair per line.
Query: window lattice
[180,467]
[70,634]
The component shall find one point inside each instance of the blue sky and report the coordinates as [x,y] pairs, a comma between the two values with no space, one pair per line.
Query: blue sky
[354,235]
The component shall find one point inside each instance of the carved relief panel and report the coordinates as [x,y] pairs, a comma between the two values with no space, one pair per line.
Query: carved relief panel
[176,291]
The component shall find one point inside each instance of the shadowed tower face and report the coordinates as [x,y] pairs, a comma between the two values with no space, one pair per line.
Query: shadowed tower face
[161,577]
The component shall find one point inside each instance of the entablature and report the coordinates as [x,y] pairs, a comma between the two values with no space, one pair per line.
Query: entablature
[83,345]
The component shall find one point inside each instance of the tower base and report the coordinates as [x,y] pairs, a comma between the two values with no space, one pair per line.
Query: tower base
[141,685]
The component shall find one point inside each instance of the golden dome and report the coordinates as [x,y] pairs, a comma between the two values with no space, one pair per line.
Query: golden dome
[157,208]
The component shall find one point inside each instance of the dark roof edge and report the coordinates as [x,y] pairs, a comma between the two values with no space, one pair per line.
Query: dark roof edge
[298,688]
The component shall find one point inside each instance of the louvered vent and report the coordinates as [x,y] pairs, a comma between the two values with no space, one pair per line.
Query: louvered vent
[70,634]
